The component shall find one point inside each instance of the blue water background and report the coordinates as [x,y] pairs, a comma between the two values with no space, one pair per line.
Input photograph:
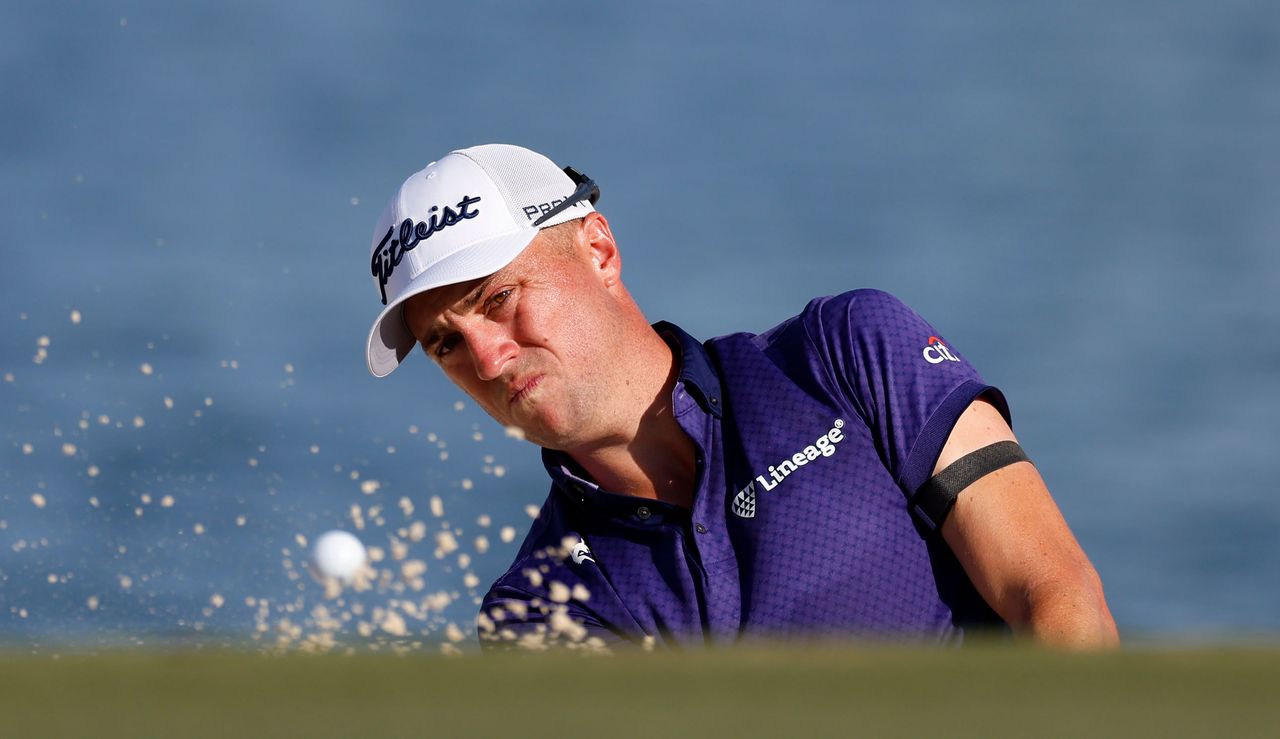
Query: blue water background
[1083,197]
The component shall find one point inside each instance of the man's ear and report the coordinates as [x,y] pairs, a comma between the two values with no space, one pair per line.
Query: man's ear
[602,248]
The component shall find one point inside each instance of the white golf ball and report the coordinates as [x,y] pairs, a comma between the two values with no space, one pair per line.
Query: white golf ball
[338,554]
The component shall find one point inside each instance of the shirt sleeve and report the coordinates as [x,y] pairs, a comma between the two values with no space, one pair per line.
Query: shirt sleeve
[528,618]
[906,381]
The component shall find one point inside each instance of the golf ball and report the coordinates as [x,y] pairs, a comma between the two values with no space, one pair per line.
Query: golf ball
[338,554]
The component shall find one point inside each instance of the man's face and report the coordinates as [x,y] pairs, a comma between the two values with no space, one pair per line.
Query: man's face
[529,343]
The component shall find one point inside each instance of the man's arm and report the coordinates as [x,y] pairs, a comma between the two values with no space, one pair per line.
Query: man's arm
[1012,541]
[515,619]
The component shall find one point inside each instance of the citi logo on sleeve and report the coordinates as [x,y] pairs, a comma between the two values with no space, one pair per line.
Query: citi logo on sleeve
[744,503]
[937,352]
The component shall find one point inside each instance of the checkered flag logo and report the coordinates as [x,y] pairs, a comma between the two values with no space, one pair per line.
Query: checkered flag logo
[744,503]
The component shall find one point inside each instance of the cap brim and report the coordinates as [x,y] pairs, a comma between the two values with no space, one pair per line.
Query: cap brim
[390,340]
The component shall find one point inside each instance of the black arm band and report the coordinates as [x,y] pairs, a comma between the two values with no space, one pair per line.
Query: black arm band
[933,501]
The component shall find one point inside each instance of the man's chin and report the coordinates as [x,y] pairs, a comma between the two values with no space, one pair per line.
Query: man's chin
[547,433]
[542,422]
[544,437]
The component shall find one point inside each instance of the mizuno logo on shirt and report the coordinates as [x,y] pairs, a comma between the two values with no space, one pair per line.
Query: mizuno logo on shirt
[580,553]
[744,503]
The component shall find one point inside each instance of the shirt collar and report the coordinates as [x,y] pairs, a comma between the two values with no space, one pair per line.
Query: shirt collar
[700,381]
[696,371]
[568,479]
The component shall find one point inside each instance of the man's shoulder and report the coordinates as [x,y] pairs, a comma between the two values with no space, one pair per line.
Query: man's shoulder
[543,595]
[827,326]
[862,307]
[824,347]
[545,529]
[539,561]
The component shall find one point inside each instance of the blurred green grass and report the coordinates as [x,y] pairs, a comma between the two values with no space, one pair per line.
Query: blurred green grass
[814,690]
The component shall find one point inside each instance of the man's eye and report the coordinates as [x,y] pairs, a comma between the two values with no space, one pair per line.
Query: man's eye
[498,299]
[445,346]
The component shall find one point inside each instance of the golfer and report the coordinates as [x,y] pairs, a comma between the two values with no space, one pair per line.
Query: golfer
[844,473]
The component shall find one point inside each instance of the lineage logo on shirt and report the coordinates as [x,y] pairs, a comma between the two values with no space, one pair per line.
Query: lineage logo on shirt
[744,503]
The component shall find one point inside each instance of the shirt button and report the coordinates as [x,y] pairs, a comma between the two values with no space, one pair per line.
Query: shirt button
[700,529]
[643,513]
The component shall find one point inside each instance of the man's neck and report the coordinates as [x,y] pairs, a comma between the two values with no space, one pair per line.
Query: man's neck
[657,460]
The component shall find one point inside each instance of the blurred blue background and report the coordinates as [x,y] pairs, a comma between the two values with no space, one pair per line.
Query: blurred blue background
[1082,197]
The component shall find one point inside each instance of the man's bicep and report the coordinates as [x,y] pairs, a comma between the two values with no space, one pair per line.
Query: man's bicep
[1005,529]
[1009,536]
[980,425]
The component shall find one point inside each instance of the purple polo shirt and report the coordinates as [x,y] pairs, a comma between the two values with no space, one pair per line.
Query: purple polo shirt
[809,438]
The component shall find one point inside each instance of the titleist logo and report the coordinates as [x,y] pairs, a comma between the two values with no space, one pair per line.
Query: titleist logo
[387,256]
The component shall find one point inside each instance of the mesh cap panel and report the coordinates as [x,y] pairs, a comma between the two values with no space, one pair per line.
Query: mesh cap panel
[524,178]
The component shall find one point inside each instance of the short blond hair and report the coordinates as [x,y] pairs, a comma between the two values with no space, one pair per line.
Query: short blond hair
[562,237]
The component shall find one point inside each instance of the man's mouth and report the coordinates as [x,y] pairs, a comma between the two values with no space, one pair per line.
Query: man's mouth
[519,390]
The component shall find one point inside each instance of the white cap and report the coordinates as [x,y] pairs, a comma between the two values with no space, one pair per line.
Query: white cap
[463,217]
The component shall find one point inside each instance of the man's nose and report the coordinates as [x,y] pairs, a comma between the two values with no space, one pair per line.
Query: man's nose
[491,348]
